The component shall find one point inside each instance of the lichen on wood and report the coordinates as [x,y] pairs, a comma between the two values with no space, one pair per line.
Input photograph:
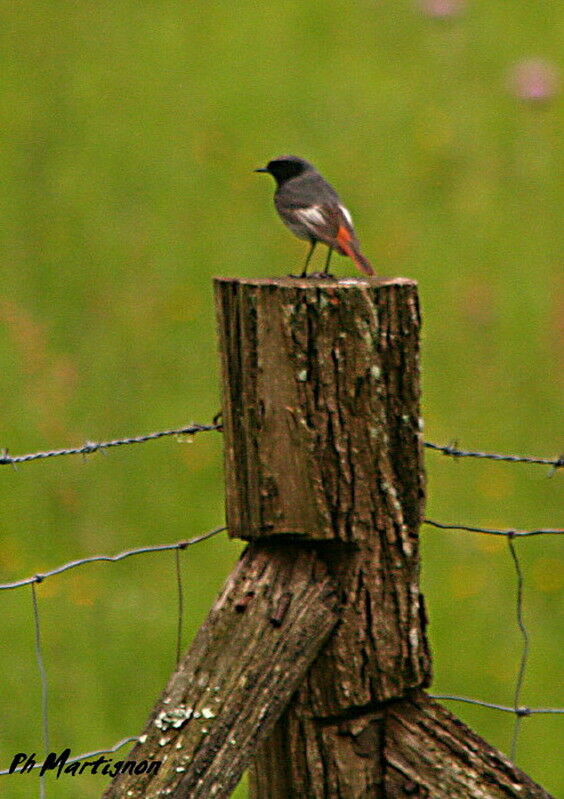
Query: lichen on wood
[321,407]
[240,672]
[322,440]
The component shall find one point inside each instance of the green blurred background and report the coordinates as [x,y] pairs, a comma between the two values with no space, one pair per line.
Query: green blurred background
[129,131]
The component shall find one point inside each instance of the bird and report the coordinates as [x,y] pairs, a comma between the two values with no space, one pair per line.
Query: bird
[311,208]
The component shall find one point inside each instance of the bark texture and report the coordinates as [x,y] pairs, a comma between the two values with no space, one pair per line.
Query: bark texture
[313,658]
[431,753]
[409,748]
[275,612]
[321,407]
[322,439]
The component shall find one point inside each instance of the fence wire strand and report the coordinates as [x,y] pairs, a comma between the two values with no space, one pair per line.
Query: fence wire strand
[455,452]
[509,533]
[43,680]
[451,450]
[525,651]
[39,578]
[180,604]
[519,711]
[33,581]
[92,446]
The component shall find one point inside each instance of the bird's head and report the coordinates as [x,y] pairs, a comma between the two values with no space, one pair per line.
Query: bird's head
[285,167]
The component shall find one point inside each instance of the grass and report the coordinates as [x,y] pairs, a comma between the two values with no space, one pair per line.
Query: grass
[129,134]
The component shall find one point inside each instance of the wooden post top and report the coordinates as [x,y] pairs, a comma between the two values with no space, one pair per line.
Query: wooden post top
[317,282]
[320,405]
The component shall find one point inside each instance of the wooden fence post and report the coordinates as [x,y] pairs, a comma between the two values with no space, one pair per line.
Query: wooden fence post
[311,664]
[322,441]
[323,445]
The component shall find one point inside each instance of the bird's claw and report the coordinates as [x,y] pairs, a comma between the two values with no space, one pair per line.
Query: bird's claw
[314,275]
[323,275]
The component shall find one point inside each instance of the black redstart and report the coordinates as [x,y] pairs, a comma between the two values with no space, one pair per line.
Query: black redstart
[311,208]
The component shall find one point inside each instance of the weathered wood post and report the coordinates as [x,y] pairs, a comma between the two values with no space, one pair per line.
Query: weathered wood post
[323,448]
[323,443]
[311,663]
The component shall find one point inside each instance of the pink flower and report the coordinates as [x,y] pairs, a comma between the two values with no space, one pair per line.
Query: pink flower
[442,8]
[534,80]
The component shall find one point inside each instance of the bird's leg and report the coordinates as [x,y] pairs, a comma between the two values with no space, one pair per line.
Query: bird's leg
[328,261]
[325,273]
[310,253]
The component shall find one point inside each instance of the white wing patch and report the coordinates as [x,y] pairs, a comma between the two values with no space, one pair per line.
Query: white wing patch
[347,214]
[311,216]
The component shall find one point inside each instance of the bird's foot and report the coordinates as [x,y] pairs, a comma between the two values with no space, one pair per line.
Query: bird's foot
[323,275]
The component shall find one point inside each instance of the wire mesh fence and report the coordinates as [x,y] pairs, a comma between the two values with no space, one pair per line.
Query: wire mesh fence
[519,710]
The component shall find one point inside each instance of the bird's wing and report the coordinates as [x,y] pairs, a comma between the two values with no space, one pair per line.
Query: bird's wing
[324,221]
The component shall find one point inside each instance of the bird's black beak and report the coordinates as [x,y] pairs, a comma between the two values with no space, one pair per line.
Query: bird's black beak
[262,169]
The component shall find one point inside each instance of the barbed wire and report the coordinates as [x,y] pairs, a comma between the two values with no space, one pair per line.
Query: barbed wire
[451,450]
[455,452]
[92,446]
[509,533]
[180,545]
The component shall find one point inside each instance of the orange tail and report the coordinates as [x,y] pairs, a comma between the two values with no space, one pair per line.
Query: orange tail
[348,246]
[363,263]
